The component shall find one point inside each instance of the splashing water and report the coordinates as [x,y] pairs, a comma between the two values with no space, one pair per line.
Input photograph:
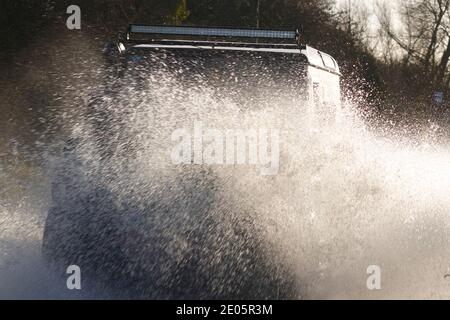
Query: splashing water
[344,199]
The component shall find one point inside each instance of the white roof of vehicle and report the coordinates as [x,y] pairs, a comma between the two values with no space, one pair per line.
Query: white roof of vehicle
[209,47]
[315,57]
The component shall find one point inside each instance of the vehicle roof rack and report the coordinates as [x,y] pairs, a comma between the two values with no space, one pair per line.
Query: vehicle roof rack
[157,33]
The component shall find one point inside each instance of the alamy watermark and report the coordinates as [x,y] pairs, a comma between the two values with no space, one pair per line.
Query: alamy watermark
[206,146]
[74,280]
[374,280]
[73,22]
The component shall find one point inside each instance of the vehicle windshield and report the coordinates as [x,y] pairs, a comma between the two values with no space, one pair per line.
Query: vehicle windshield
[236,74]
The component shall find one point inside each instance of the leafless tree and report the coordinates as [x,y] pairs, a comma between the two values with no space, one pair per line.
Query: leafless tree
[353,18]
[424,35]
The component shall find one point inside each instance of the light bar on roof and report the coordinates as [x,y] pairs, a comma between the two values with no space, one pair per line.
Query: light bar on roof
[213,32]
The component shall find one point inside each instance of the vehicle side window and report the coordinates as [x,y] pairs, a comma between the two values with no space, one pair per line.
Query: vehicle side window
[328,61]
[314,57]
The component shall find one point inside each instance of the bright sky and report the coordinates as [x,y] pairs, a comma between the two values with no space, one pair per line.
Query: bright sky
[371,5]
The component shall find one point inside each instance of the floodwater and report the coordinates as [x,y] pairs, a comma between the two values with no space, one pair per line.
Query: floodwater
[345,198]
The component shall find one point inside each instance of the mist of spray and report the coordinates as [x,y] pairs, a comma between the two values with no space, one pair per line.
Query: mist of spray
[344,199]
